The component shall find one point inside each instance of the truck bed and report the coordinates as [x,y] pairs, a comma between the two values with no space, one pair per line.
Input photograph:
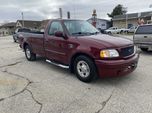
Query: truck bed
[33,34]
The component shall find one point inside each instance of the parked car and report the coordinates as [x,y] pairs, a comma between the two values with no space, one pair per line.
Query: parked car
[143,37]
[113,30]
[132,29]
[18,31]
[101,30]
[79,46]
[116,30]
[124,30]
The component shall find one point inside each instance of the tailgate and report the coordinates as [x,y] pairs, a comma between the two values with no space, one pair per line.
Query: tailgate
[143,35]
[143,39]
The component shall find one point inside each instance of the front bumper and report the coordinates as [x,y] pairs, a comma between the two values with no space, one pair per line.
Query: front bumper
[111,68]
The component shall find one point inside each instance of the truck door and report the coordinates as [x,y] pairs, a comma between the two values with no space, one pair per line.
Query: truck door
[56,47]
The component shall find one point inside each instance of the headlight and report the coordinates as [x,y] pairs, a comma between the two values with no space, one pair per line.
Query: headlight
[109,53]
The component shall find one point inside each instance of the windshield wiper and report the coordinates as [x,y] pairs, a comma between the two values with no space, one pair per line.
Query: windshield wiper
[85,33]
[81,33]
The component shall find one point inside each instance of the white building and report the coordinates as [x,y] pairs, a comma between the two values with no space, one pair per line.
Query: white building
[31,24]
[7,29]
[101,24]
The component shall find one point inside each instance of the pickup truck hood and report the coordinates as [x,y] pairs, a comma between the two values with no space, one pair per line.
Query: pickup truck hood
[106,40]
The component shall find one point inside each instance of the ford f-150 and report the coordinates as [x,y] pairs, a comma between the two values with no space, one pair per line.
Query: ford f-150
[79,46]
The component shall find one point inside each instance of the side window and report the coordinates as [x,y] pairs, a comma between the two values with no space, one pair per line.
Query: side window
[69,27]
[55,26]
[144,30]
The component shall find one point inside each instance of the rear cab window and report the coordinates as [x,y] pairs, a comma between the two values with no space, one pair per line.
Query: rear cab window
[24,30]
[145,29]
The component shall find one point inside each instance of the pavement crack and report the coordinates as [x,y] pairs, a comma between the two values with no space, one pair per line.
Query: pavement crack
[28,83]
[24,89]
[17,75]
[41,105]
[104,103]
[12,64]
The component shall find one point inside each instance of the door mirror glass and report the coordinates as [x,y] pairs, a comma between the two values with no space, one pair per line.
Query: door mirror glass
[59,34]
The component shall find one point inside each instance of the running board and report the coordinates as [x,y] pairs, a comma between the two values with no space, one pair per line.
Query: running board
[56,64]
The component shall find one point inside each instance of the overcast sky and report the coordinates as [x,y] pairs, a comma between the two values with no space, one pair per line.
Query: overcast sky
[10,10]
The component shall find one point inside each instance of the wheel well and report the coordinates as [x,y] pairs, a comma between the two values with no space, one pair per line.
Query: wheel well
[74,57]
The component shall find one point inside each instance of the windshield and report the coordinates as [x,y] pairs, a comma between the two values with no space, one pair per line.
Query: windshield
[80,27]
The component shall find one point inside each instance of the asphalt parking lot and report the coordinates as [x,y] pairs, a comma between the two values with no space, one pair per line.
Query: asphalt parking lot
[39,87]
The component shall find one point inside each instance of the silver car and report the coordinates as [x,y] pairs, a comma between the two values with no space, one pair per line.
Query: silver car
[143,37]
[132,29]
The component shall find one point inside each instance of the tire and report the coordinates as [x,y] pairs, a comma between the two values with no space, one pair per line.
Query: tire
[109,33]
[85,68]
[121,31]
[29,55]
[14,39]
[144,49]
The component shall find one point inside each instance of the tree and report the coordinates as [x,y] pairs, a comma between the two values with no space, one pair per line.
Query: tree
[118,10]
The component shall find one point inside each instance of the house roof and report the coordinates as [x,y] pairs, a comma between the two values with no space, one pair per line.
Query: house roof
[11,24]
[30,23]
[44,23]
[133,15]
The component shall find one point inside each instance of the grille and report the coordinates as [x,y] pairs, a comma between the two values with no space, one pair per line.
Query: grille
[127,51]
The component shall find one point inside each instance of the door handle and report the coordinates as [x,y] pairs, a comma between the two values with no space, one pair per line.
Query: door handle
[145,36]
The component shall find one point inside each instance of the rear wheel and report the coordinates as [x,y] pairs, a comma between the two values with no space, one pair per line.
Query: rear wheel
[109,33]
[121,31]
[144,49]
[28,53]
[84,68]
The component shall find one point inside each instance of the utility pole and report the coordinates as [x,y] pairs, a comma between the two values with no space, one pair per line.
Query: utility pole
[150,6]
[22,19]
[126,20]
[94,18]
[68,15]
[60,12]
[125,9]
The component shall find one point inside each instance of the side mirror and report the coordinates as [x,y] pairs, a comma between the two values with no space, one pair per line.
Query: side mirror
[59,34]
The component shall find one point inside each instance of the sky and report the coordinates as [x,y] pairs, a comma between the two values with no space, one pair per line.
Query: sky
[10,10]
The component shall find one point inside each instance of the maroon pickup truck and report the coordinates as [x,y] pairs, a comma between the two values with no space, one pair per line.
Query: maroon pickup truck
[77,45]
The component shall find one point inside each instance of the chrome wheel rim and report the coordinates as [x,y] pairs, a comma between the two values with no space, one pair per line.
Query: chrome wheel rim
[28,53]
[83,69]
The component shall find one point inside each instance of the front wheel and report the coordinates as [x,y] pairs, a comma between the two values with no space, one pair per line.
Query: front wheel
[85,68]
[109,33]
[29,55]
